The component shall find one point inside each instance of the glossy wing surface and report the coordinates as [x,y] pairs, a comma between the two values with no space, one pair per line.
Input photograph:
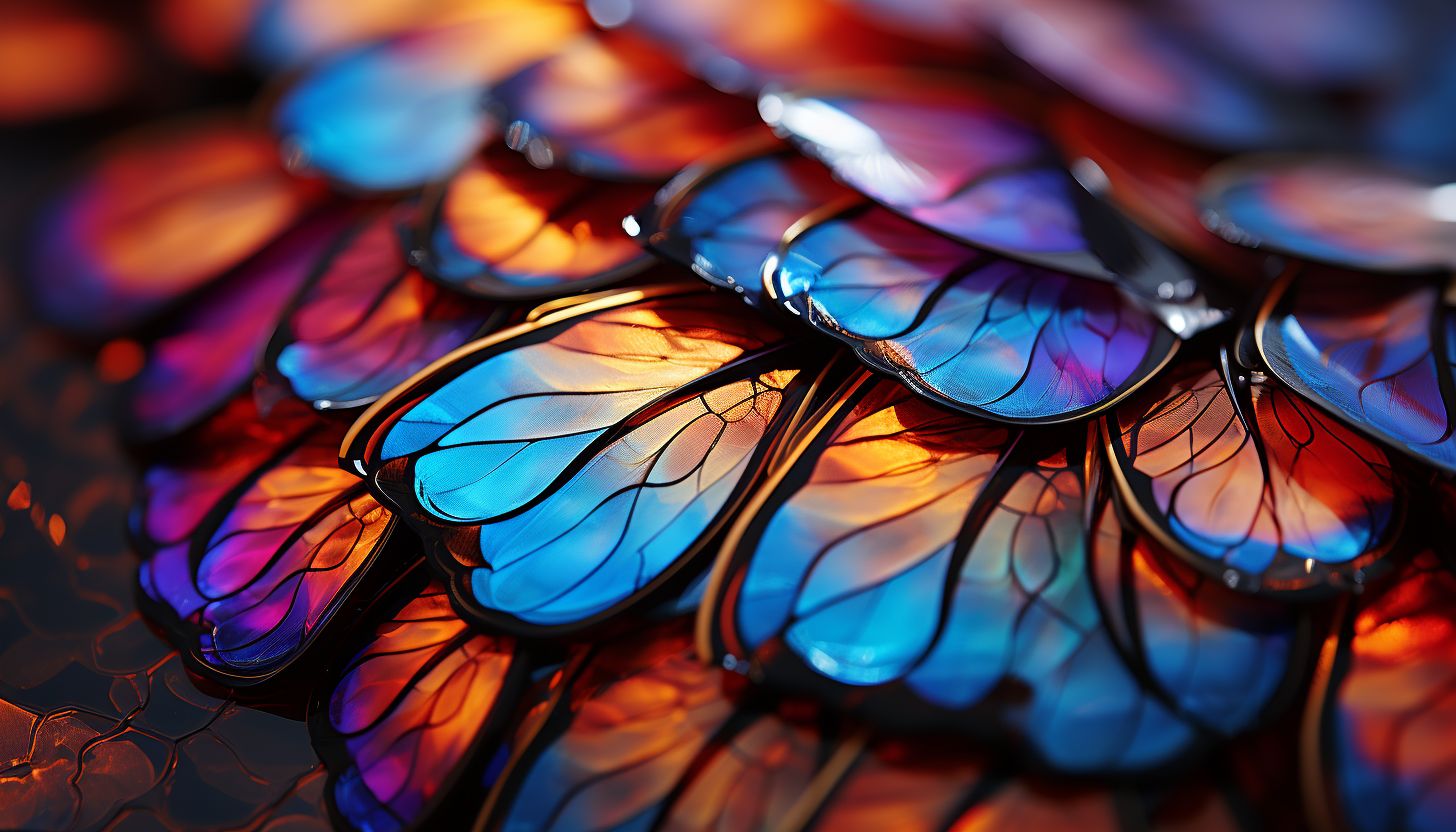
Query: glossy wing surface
[368,322]
[577,464]
[505,228]
[990,335]
[210,354]
[410,709]
[1267,492]
[906,558]
[1219,656]
[727,225]
[946,157]
[1374,351]
[253,587]
[1329,208]
[632,731]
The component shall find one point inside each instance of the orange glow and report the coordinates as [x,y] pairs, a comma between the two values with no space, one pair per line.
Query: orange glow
[19,498]
[907,787]
[119,360]
[54,64]
[521,220]
[57,529]
[167,212]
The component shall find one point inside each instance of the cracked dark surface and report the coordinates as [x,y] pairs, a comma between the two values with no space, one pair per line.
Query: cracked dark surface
[100,726]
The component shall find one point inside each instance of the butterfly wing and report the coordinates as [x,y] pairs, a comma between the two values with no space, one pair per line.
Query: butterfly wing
[900,565]
[1333,209]
[210,353]
[404,111]
[160,214]
[414,712]
[979,332]
[1261,491]
[367,321]
[1385,710]
[1223,659]
[726,221]
[617,742]
[274,561]
[566,471]
[505,228]
[945,156]
[616,107]
[1376,352]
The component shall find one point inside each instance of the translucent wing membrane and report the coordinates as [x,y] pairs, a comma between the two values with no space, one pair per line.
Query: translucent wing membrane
[909,563]
[404,111]
[413,713]
[1340,210]
[982,333]
[723,222]
[1220,657]
[505,228]
[1376,352]
[162,213]
[249,590]
[947,157]
[180,490]
[1254,486]
[647,737]
[564,471]
[615,107]
[368,321]
[1383,738]
[211,352]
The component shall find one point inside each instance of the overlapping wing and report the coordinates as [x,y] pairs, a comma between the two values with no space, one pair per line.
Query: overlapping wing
[561,473]
[902,566]
[210,353]
[413,713]
[1253,485]
[367,321]
[616,107]
[945,156]
[162,213]
[406,110]
[648,737]
[1340,210]
[726,222]
[971,329]
[618,741]
[275,559]
[1383,738]
[1377,352]
[179,491]
[1221,658]
[505,228]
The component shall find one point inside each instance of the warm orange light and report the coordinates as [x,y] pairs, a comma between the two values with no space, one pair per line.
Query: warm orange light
[119,360]
[54,64]
[19,496]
